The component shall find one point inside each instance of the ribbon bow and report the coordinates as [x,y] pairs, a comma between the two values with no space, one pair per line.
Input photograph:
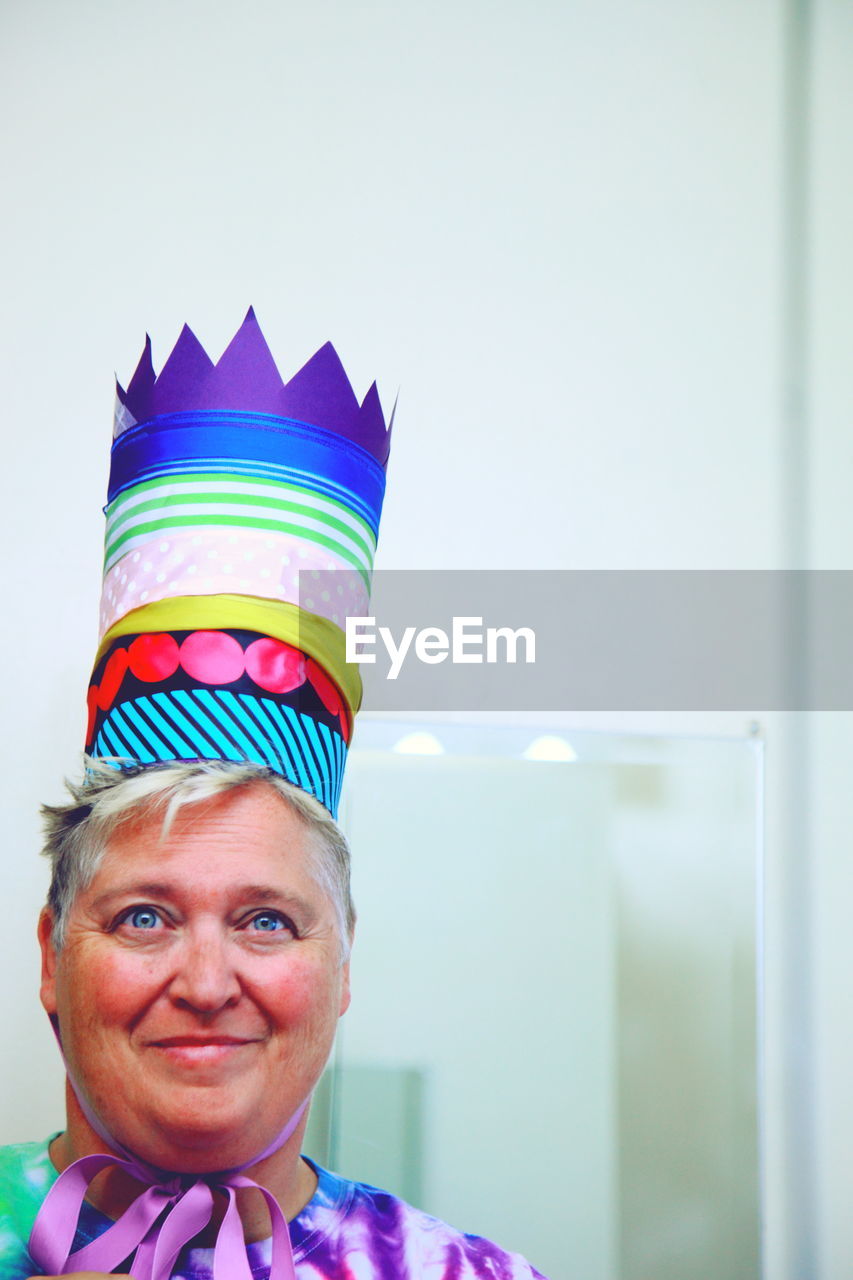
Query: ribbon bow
[160,1222]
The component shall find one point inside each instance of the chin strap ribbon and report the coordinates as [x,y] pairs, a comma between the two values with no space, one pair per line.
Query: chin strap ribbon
[162,1220]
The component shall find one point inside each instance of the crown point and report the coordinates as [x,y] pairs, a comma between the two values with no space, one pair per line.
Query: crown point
[372,434]
[143,378]
[320,393]
[187,369]
[246,375]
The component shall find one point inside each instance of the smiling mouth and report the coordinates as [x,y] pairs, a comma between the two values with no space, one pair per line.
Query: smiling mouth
[204,1051]
[202,1042]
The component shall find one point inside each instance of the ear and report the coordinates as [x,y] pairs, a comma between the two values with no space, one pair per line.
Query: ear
[48,961]
[345,989]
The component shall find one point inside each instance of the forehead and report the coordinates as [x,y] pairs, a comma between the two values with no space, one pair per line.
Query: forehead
[248,828]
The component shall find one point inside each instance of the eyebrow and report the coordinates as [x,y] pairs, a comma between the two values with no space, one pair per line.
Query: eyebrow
[250,892]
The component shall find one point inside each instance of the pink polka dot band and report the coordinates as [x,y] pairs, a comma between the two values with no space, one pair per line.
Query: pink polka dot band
[247,561]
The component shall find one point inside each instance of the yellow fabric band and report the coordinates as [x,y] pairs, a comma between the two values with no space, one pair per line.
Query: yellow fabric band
[319,638]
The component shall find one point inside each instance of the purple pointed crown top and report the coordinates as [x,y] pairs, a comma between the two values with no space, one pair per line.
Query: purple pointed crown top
[246,379]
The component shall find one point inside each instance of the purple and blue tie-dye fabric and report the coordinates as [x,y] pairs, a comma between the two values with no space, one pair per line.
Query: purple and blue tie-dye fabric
[348,1231]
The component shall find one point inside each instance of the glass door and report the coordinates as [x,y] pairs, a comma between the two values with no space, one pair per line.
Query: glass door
[553,1040]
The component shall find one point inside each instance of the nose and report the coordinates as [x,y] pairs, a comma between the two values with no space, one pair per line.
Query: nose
[205,979]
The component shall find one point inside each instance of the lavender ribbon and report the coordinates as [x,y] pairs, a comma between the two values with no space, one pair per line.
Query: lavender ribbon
[142,1230]
[162,1219]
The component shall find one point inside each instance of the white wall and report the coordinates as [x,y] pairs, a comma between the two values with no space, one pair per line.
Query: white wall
[557,226]
[831,524]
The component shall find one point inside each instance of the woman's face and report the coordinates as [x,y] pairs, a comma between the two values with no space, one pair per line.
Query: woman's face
[200,982]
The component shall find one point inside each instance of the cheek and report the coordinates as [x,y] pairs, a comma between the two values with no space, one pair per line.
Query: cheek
[304,994]
[101,989]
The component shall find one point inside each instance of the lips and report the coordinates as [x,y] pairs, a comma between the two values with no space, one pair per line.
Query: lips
[219,1052]
[200,1042]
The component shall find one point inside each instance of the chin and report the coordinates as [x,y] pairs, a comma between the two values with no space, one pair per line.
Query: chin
[205,1135]
[188,1148]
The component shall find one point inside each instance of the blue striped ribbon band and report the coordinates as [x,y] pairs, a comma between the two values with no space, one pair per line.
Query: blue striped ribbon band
[251,443]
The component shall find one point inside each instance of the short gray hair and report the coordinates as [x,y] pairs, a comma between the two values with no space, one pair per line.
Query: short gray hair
[77,833]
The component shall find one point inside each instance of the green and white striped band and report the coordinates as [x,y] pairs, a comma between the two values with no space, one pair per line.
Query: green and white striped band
[157,507]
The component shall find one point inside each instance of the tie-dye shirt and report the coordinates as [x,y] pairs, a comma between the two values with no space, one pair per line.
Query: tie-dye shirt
[347,1231]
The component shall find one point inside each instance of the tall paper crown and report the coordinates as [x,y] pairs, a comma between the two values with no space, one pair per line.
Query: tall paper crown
[232,494]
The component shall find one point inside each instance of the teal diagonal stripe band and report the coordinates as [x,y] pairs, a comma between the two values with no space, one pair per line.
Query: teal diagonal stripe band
[216,724]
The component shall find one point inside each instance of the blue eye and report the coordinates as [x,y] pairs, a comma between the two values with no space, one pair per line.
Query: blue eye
[268,922]
[143,918]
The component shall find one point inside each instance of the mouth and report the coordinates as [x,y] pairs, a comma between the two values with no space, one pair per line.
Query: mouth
[207,1050]
[180,1042]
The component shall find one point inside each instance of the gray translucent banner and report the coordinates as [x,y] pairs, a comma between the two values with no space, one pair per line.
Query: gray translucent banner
[632,641]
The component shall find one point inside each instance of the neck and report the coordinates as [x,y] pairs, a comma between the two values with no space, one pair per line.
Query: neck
[284,1173]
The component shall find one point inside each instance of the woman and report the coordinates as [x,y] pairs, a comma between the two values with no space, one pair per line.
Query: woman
[195,962]
[196,939]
